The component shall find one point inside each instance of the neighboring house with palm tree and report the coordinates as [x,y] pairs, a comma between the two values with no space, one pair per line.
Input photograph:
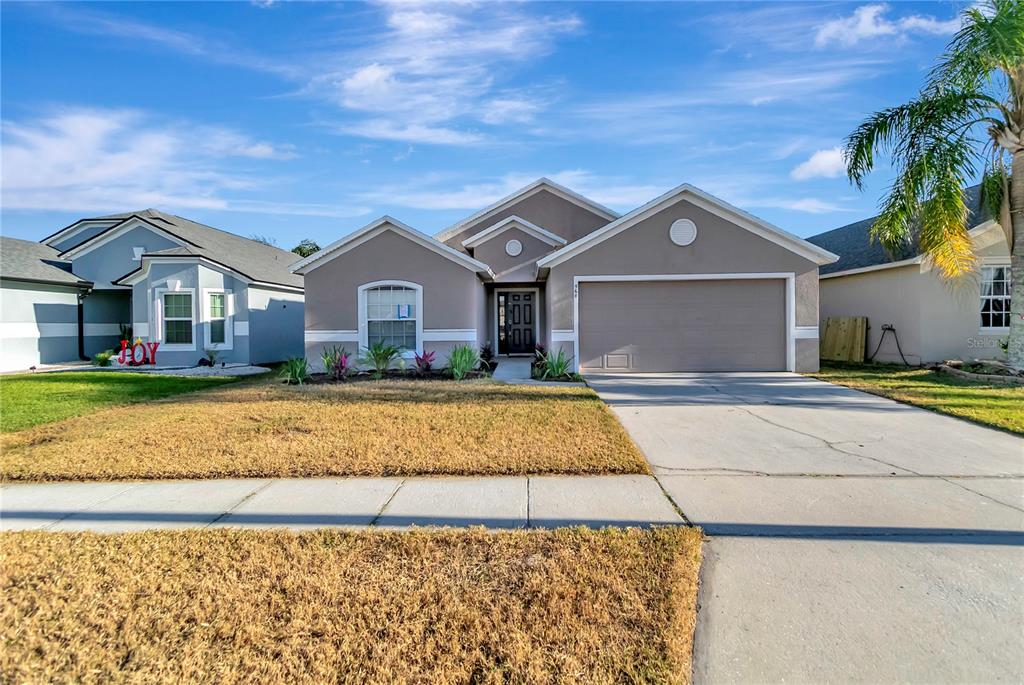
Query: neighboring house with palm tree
[969,117]
[932,318]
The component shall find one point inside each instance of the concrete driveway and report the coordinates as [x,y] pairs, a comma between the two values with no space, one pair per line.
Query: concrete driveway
[852,538]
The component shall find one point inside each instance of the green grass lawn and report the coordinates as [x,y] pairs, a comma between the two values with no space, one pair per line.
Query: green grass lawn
[990,404]
[28,400]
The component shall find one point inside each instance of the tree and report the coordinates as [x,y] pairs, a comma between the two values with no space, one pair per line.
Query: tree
[970,113]
[306,248]
[265,239]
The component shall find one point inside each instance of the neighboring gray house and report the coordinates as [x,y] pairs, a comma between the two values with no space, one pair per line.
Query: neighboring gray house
[933,318]
[684,283]
[39,305]
[187,286]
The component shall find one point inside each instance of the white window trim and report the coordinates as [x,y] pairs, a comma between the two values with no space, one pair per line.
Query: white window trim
[229,318]
[536,319]
[991,262]
[790,278]
[158,317]
[364,328]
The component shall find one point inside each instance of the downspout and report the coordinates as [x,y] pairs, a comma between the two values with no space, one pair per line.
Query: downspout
[81,324]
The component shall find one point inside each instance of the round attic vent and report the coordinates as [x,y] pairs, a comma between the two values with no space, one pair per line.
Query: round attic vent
[683,232]
[513,248]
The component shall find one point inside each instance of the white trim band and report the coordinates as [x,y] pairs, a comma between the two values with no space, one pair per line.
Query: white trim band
[562,336]
[330,336]
[806,332]
[449,335]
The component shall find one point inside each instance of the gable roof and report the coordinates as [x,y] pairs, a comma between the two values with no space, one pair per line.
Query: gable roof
[73,229]
[375,228]
[524,192]
[27,260]
[514,222]
[857,250]
[706,202]
[252,259]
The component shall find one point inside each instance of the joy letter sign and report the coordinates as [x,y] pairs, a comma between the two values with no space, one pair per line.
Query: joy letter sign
[130,357]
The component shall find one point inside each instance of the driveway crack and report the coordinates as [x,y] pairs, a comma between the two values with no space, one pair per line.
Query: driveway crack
[744,405]
[384,506]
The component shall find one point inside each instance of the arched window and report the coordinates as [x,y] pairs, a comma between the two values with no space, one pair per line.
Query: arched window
[391,315]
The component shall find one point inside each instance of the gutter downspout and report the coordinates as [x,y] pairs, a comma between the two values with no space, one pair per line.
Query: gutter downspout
[81,324]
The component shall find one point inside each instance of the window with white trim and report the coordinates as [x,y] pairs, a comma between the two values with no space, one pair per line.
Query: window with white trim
[995,297]
[177,318]
[391,316]
[218,318]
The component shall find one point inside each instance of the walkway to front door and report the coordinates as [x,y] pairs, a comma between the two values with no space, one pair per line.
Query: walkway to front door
[516,313]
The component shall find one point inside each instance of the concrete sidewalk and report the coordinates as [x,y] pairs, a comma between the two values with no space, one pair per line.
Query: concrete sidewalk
[298,504]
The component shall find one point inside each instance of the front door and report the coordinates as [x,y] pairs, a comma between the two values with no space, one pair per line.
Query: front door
[516,310]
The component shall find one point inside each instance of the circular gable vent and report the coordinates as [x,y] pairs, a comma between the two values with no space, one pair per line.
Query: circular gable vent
[513,248]
[682,232]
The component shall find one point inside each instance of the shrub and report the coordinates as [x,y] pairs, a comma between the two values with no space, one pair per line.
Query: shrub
[125,331]
[337,362]
[424,362]
[557,365]
[211,356]
[379,357]
[295,371]
[102,358]
[461,360]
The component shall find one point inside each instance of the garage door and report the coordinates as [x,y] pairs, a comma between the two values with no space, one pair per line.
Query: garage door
[683,326]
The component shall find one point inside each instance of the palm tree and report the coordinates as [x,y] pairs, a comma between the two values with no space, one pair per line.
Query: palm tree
[970,113]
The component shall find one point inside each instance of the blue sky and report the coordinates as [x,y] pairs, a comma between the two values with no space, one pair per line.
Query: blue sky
[296,120]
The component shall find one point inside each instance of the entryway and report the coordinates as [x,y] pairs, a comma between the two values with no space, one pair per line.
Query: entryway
[516,312]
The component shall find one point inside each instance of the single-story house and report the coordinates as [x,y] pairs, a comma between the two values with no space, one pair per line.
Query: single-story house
[685,282]
[188,286]
[40,302]
[933,318]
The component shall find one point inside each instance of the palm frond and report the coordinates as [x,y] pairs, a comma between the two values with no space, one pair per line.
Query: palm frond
[904,130]
[944,236]
[994,185]
[991,38]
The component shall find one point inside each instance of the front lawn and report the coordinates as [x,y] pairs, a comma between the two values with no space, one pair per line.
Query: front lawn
[32,399]
[989,404]
[367,428]
[448,606]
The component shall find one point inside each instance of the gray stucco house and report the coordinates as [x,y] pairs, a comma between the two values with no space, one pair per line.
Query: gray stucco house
[933,318]
[685,282]
[39,305]
[188,286]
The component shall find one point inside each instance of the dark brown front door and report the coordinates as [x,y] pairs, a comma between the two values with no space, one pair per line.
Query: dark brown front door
[515,322]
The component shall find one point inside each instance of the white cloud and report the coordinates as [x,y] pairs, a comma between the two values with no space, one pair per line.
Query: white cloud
[442,193]
[386,129]
[436,69]
[140,34]
[117,159]
[869,22]
[822,164]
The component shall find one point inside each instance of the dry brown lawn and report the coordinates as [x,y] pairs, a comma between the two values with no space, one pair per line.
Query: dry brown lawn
[356,429]
[570,605]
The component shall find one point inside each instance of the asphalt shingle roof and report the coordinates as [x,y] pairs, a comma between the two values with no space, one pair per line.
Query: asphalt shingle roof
[27,260]
[248,257]
[856,250]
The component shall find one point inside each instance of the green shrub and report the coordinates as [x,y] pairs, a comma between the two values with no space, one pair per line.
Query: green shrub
[461,360]
[379,357]
[102,358]
[295,371]
[555,365]
[211,356]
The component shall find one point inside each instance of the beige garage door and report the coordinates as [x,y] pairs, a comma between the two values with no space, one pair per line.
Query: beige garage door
[683,326]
